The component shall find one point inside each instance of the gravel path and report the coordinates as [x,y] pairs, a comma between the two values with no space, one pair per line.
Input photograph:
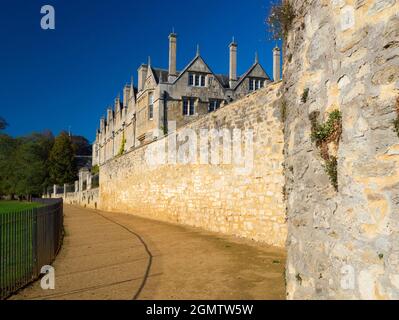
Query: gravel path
[121,256]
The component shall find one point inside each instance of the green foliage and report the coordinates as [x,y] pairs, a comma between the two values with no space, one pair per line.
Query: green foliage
[305,95]
[95,169]
[62,165]
[122,147]
[280,19]
[23,164]
[331,167]
[321,132]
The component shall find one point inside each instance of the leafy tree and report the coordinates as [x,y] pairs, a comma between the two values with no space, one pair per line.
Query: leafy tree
[62,164]
[8,147]
[24,164]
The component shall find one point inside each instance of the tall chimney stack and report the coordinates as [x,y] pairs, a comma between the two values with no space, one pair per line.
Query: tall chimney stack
[142,76]
[233,63]
[276,64]
[172,57]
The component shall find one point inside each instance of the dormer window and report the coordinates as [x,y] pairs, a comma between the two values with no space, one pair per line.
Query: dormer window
[196,79]
[255,84]
[188,106]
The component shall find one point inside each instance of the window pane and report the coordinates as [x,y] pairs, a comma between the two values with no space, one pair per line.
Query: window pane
[190,79]
[251,85]
[203,81]
[185,107]
[197,80]
[191,107]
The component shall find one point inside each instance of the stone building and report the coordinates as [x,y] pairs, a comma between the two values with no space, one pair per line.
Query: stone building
[171,95]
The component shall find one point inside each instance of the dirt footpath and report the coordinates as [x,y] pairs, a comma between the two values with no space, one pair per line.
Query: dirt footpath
[120,256]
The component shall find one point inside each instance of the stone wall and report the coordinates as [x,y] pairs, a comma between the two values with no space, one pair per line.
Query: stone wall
[343,244]
[87,198]
[222,197]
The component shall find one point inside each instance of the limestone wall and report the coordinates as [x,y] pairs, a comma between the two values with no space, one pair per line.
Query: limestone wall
[343,244]
[214,197]
[87,198]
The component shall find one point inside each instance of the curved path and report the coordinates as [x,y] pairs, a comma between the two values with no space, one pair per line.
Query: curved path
[120,256]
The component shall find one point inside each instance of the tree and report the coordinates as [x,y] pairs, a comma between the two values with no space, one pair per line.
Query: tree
[24,164]
[3,123]
[8,147]
[62,164]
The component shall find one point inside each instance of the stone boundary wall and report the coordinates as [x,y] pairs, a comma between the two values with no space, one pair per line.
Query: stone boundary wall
[214,197]
[87,198]
[343,244]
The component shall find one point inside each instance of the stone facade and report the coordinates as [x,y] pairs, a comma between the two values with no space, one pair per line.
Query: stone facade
[343,244]
[214,197]
[164,95]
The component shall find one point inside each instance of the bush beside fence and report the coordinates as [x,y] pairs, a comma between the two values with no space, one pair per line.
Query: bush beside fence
[29,239]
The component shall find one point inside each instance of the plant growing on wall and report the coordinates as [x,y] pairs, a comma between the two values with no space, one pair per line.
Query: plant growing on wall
[323,135]
[280,19]
[95,169]
[122,147]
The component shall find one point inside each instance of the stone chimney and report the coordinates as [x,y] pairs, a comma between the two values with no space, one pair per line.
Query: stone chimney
[126,95]
[233,64]
[172,57]
[102,124]
[276,64]
[117,104]
[142,76]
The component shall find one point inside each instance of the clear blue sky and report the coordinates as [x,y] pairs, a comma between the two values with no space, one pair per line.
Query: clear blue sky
[66,77]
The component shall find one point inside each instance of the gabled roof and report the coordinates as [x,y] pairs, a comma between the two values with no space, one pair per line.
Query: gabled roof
[161,75]
[197,57]
[245,75]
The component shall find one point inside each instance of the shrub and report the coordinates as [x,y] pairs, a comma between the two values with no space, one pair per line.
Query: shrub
[331,167]
[328,131]
[323,134]
[280,19]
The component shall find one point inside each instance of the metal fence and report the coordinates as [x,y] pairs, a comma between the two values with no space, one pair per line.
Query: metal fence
[29,239]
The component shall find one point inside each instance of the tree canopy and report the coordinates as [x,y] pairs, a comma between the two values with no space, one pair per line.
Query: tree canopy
[62,163]
[30,164]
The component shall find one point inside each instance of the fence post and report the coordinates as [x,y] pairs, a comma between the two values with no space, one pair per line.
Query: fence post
[55,190]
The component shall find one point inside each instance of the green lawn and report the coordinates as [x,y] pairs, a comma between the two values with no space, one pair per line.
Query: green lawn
[16,239]
[13,206]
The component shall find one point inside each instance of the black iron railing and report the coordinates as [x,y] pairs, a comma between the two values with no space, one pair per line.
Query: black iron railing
[29,239]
